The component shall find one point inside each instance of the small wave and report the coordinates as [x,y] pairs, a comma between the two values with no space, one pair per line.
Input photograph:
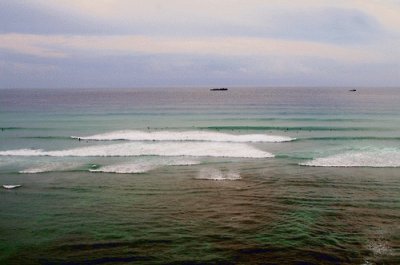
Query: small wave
[48,137]
[382,158]
[210,149]
[50,167]
[21,128]
[12,128]
[143,167]
[132,135]
[23,152]
[217,174]
[125,168]
[182,163]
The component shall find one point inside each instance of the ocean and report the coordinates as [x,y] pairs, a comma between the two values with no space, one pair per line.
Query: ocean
[193,176]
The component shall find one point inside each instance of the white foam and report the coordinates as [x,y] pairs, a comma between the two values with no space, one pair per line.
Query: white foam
[211,149]
[142,167]
[380,248]
[379,158]
[10,187]
[181,162]
[23,152]
[132,135]
[49,167]
[125,168]
[216,174]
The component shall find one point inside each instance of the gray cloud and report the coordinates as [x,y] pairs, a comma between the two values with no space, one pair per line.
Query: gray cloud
[335,25]
[21,17]
[199,43]
[318,24]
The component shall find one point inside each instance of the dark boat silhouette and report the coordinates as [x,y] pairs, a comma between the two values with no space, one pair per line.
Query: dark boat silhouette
[353,90]
[219,89]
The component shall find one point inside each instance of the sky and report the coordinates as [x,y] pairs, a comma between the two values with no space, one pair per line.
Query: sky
[146,43]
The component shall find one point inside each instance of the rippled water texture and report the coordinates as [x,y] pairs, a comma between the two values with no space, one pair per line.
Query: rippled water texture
[191,176]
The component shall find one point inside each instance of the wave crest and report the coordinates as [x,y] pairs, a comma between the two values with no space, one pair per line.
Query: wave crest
[358,159]
[208,136]
[209,149]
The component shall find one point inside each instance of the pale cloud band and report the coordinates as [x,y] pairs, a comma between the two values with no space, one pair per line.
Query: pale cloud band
[60,46]
[385,11]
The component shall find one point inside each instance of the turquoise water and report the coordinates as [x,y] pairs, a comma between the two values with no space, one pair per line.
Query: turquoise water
[190,176]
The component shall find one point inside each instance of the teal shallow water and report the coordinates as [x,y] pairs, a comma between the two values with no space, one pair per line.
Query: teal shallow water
[187,201]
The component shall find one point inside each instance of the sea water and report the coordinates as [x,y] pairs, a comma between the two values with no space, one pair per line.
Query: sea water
[193,176]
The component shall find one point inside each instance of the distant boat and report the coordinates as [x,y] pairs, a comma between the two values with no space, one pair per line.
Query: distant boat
[219,89]
[353,90]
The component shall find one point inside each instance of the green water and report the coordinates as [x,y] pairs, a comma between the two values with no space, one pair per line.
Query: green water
[217,209]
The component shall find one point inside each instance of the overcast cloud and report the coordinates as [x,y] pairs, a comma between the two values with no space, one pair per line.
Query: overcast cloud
[125,43]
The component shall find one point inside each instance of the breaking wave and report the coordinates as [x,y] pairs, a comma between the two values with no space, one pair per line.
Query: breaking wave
[209,149]
[143,167]
[132,135]
[125,168]
[382,158]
